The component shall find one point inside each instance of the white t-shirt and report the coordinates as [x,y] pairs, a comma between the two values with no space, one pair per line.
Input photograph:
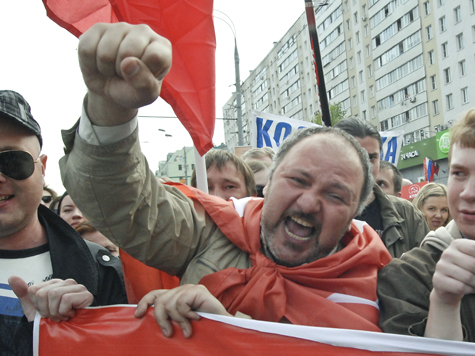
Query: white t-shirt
[32,265]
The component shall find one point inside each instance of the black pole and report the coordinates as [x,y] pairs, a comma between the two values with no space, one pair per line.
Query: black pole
[317,60]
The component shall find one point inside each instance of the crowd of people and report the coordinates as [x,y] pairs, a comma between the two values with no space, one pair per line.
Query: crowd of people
[313,234]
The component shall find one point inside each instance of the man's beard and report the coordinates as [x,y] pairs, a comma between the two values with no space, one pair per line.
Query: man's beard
[268,232]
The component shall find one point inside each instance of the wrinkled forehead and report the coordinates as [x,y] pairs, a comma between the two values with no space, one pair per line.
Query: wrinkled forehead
[332,143]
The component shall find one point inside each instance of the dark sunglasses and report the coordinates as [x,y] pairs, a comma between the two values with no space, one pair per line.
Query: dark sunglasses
[18,165]
[47,199]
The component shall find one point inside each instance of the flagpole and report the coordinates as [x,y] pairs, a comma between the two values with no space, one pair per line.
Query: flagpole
[317,60]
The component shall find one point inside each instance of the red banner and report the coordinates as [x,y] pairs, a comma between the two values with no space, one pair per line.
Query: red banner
[190,86]
[114,331]
[409,192]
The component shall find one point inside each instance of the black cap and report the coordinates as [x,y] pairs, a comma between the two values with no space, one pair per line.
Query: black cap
[14,106]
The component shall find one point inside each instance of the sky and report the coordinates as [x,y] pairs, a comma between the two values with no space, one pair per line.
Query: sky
[39,60]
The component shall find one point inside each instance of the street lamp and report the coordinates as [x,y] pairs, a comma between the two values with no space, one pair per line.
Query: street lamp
[238,78]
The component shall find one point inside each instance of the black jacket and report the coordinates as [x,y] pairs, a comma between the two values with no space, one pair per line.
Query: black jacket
[71,257]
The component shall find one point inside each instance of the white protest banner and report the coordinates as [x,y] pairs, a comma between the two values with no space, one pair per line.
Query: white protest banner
[269,130]
[392,143]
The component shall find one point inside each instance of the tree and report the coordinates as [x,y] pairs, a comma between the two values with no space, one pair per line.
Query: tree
[337,113]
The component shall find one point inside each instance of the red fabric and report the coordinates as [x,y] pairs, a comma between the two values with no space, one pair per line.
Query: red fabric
[271,292]
[112,331]
[140,279]
[190,86]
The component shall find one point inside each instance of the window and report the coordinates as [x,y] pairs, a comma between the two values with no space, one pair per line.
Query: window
[427,8]
[350,46]
[371,91]
[370,71]
[459,40]
[180,167]
[373,112]
[457,14]
[356,17]
[442,24]
[462,68]
[359,57]
[429,32]
[361,76]
[352,64]
[433,82]
[447,76]
[472,6]
[435,107]
[441,2]
[353,81]
[364,114]
[348,25]
[445,50]
[355,101]
[431,57]
[363,96]
[357,37]
[464,95]
[366,31]
[368,51]
[450,101]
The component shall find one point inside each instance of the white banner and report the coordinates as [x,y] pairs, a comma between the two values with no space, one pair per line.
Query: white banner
[392,143]
[269,130]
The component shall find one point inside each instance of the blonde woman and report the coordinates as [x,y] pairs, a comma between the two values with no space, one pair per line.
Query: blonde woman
[432,201]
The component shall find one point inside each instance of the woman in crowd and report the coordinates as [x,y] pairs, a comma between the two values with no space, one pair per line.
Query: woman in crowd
[432,201]
[69,211]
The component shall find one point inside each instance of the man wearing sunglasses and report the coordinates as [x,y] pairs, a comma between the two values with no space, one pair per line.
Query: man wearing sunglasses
[41,256]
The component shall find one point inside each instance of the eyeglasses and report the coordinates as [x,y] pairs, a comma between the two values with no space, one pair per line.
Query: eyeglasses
[47,199]
[18,165]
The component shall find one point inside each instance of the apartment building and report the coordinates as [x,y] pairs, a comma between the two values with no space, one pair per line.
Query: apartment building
[400,64]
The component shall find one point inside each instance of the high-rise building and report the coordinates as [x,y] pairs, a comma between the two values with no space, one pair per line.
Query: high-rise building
[400,64]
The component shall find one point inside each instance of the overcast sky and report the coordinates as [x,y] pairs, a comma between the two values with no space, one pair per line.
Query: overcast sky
[39,60]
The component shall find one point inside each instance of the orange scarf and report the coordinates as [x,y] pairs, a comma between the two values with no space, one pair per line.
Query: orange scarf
[316,294]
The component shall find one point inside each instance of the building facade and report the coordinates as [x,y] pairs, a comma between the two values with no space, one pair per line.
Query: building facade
[399,64]
[179,165]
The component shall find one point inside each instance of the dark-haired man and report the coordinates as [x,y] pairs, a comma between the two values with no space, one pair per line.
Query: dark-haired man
[389,179]
[228,176]
[400,225]
[39,252]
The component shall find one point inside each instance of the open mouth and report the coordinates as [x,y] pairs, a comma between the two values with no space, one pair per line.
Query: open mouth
[299,229]
[5,198]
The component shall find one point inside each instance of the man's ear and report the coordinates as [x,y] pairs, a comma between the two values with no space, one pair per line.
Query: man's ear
[399,194]
[43,159]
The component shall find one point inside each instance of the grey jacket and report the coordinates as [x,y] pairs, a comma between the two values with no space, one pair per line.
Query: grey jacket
[190,244]
[405,284]
[404,226]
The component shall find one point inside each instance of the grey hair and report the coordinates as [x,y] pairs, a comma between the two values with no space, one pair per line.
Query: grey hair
[299,135]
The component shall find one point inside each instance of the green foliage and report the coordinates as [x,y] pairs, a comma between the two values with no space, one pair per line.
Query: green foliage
[337,113]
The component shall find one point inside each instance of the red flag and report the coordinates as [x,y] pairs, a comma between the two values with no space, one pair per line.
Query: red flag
[140,279]
[190,86]
[114,331]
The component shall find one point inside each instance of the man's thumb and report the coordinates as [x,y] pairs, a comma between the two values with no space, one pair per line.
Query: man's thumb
[20,288]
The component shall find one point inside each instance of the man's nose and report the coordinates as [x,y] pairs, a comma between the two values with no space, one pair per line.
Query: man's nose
[309,202]
[468,192]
